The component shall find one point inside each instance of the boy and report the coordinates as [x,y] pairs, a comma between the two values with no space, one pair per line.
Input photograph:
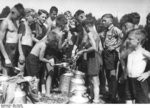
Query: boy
[112,42]
[9,38]
[136,88]
[54,52]
[93,49]
[36,56]
[25,37]
[38,28]
[51,20]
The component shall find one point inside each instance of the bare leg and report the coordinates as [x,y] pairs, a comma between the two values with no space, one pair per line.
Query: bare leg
[48,79]
[48,85]
[96,90]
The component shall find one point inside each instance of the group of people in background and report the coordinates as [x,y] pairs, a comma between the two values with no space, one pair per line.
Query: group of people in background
[114,59]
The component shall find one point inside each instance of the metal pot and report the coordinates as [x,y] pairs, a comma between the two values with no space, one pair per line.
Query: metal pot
[65,81]
[79,74]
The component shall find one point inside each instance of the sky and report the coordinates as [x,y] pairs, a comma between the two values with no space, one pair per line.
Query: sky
[96,7]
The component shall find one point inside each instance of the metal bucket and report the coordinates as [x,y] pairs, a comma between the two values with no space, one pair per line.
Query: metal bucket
[65,81]
[77,81]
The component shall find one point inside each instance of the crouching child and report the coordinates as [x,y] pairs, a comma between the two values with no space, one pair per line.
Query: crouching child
[36,57]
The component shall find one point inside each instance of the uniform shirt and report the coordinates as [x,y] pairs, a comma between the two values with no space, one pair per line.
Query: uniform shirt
[112,36]
[136,63]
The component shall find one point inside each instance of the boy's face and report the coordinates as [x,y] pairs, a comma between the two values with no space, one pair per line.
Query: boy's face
[106,21]
[81,17]
[132,41]
[15,14]
[42,17]
[53,15]
[30,19]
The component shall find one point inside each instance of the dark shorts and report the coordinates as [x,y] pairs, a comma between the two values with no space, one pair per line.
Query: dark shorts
[13,54]
[26,50]
[33,65]
[110,59]
[94,62]
[82,64]
[136,90]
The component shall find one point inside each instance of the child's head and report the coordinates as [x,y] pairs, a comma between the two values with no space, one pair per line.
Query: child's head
[107,20]
[30,14]
[43,14]
[80,15]
[88,23]
[126,23]
[17,12]
[53,12]
[68,15]
[135,18]
[61,21]
[136,37]
[52,39]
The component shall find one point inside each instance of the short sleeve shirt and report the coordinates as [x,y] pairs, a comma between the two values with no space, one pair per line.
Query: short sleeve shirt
[112,36]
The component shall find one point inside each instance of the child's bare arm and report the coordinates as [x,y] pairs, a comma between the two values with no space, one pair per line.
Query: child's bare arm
[146,54]
[145,75]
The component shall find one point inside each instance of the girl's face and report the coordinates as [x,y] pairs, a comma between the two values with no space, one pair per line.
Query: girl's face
[42,17]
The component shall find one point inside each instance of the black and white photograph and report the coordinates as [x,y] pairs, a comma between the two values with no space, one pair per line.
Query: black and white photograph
[74,52]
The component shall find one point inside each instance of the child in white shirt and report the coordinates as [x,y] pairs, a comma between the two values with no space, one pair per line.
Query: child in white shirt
[136,89]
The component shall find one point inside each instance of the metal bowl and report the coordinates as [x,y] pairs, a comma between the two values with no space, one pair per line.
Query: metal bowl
[63,64]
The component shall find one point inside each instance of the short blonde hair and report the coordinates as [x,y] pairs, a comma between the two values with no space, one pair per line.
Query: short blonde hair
[139,34]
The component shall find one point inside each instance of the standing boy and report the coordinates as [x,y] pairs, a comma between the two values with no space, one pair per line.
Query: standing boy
[136,89]
[112,42]
[9,38]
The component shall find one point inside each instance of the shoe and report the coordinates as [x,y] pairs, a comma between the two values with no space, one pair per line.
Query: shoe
[98,101]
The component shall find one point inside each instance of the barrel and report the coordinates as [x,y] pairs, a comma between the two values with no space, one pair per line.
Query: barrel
[65,81]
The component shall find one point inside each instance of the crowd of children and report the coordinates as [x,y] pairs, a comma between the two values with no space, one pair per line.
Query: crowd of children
[114,59]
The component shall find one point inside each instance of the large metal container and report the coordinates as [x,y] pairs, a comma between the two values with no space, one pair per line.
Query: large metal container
[77,81]
[65,81]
